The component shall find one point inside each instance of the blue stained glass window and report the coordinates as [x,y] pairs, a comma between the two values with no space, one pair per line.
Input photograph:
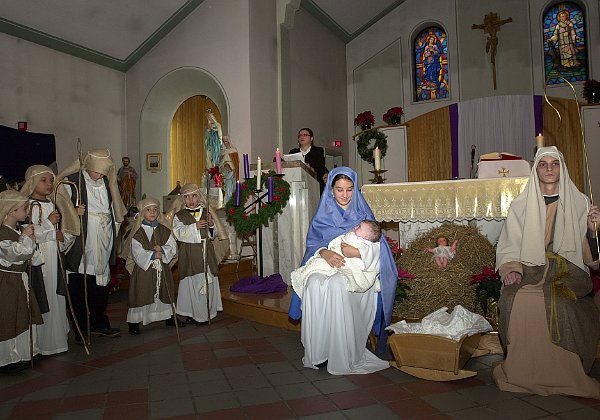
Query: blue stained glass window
[565,52]
[431,64]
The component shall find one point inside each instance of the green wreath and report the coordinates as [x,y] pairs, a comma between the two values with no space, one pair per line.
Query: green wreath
[246,222]
[365,150]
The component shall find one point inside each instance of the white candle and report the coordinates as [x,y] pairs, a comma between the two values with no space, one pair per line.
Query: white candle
[258,174]
[539,141]
[377,158]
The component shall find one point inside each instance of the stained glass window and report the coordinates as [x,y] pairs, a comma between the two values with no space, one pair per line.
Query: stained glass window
[565,52]
[431,64]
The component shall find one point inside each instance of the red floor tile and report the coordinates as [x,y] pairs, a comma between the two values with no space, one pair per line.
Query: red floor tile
[388,393]
[420,388]
[201,364]
[194,348]
[235,361]
[411,408]
[31,409]
[351,399]
[126,412]
[133,396]
[268,358]
[225,344]
[277,410]
[311,405]
[83,402]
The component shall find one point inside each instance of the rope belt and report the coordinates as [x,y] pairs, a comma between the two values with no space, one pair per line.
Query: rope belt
[102,240]
[157,265]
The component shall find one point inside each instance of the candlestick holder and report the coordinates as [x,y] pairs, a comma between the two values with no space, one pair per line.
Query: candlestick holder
[378,178]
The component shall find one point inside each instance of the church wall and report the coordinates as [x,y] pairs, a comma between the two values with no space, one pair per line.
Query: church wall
[63,95]
[314,89]
[214,40]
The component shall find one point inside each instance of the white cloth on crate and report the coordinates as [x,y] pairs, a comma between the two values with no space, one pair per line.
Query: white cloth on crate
[53,333]
[191,298]
[336,325]
[360,274]
[455,325]
[17,349]
[157,310]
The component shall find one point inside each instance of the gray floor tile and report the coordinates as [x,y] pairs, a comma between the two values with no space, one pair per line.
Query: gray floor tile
[231,352]
[257,396]
[77,388]
[161,393]
[554,403]
[276,367]
[485,394]
[206,375]
[205,403]
[297,391]
[242,371]
[449,401]
[97,413]
[210,388]
[478,413]
[284,378]
[586,413]
[171,408]
[47,393]
[249,382]
[517,409]
[175,378]
[335,415]
[328,386]
[158,369]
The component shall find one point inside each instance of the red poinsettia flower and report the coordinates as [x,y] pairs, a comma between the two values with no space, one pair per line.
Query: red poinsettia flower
[232,211]
[244,186]
[364,118]
[405,274]
[392,116]
[214,170]
[487,273]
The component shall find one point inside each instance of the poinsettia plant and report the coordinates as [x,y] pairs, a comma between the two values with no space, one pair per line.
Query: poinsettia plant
[364,119]
[403,276]
[393,115]
[488,285]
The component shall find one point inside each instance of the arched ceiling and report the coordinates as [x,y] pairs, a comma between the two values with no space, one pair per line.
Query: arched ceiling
[117,33]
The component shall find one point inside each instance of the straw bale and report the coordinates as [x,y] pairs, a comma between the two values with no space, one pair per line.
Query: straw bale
[435,287]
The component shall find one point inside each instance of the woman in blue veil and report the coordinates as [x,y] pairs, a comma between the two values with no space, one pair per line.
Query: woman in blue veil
[336,216]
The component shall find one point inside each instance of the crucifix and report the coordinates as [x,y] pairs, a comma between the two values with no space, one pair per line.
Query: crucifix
[491,25]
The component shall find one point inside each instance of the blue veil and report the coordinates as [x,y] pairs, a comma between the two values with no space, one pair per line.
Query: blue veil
[328,223]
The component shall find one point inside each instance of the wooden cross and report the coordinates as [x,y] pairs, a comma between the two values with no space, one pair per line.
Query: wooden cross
[491,25]
[504,172]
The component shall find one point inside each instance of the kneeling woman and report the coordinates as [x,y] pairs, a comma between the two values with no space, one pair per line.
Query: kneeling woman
[336,322]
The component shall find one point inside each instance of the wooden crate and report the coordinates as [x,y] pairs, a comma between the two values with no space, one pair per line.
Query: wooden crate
[432,357]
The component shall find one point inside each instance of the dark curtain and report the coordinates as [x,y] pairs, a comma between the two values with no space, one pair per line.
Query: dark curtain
[21,149]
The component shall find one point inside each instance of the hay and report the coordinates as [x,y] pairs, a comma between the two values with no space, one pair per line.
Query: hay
[434,287]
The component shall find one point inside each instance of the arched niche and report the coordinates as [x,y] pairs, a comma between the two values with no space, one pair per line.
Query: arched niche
[160,105]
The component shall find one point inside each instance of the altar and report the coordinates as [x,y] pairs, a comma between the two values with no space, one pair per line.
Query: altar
[419,206]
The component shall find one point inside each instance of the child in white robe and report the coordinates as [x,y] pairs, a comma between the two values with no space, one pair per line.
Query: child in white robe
[151,287]
[39,185]
[360,273]
[18,309]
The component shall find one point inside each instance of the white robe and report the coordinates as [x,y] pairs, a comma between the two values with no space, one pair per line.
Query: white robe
[191,298]
[336,322]
[157,310]
[17,349]
[53,333]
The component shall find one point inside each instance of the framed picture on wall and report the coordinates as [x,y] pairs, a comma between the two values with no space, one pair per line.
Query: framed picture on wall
[154,162]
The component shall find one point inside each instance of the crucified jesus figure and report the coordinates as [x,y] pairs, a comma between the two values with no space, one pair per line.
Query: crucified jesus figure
[491,25]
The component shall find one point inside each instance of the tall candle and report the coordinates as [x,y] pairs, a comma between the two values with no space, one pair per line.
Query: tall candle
[377,158]
[270,189]
[278,160]
[237,194]
[258,173]
[539,141]
[246,166]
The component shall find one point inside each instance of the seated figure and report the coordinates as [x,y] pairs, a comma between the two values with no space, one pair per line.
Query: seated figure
[548,321]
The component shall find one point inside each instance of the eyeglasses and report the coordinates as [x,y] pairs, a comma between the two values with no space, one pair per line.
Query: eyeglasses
[303,135]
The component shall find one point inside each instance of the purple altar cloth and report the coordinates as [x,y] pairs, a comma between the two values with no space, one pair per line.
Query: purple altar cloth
[255,284]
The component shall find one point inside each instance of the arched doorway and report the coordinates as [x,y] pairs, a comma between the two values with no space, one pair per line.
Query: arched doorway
[188,129]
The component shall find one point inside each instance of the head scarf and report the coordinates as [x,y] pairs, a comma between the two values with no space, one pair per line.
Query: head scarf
[522,238]
[11,200]
[142,205]
[329,223]
[179,204]
[69,219]
[99,160]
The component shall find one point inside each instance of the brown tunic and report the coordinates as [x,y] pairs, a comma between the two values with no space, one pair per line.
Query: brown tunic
[14,306]
[142,285]
[191,256]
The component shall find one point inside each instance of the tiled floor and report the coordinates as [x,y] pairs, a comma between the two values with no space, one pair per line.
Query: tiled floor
[236,369]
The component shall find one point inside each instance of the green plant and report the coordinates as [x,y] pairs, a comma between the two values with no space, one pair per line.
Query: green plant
[487,287]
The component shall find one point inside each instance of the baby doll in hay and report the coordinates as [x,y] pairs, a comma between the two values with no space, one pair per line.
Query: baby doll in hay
[442,253]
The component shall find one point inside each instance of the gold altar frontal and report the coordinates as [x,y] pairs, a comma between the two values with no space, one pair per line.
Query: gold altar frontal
[443,200]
